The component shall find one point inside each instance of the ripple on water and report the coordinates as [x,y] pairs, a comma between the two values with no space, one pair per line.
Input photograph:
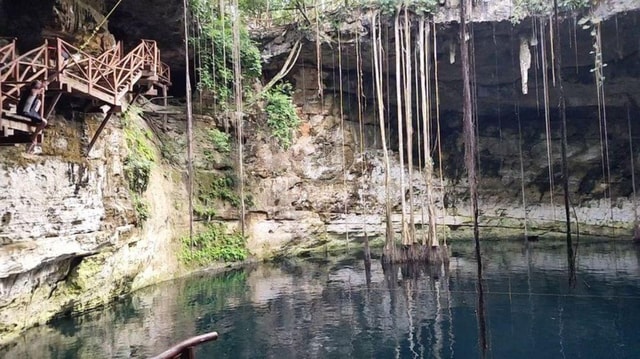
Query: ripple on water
[328,309]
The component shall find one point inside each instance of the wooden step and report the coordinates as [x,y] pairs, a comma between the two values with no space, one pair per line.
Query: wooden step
[82,87]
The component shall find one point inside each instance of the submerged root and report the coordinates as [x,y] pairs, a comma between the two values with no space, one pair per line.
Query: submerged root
[393,272]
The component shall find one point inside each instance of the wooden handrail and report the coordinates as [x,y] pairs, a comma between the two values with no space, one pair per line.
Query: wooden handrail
[184,349]
[24,69]
[31,60]
[8,53]
[108,76]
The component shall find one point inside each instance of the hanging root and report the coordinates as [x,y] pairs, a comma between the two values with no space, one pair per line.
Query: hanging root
[411,271]
[389,254]
[415,253]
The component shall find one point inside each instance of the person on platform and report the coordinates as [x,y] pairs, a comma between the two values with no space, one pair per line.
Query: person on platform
[29,106]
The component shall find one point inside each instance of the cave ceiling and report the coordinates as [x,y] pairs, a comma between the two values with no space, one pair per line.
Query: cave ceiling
[495,47]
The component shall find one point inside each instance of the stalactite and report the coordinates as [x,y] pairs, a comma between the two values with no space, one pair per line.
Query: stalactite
[75,14]
[452,52]
[536,59]
[525,64]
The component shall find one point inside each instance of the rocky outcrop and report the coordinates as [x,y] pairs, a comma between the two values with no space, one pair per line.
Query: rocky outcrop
[71,239]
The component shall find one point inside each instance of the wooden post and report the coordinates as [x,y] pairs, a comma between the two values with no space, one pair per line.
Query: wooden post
[53,105]
[165,104]
[97,134]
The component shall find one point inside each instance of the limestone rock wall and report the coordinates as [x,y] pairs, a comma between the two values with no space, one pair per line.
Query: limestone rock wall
[70,238]
[324,184]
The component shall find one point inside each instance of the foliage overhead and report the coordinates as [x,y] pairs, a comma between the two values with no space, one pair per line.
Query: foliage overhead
[212,39]
[524,8]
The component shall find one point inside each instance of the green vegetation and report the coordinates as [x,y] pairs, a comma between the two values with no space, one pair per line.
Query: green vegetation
[390,7]
[524,8]
[213,245]
[221,141]
[141,207]
[211,188]
[213,43]
[282,12]
[139,160]
[282,118]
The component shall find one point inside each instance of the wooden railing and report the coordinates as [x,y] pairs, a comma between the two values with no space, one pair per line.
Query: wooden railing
[111,56]
[20,71]
[7,53]
[108,76]
[186,349]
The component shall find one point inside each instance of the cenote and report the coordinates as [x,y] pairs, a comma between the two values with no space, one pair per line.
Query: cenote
[327,307]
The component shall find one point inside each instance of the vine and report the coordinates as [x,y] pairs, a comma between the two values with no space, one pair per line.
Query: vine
[215,40]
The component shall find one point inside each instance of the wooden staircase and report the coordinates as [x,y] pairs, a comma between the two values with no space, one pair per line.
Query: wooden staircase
[108,78]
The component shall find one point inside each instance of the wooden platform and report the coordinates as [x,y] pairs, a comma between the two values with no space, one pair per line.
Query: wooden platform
[16,129]
[113,78]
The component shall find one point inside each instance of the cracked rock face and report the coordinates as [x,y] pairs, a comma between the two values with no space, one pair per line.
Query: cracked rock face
[69,239]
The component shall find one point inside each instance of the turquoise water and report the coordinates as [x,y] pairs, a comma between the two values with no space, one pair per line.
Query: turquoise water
[324,308]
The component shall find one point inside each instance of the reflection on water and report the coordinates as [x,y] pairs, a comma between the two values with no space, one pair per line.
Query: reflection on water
[326,309]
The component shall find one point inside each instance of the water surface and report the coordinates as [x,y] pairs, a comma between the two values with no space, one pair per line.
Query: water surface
[326,308]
